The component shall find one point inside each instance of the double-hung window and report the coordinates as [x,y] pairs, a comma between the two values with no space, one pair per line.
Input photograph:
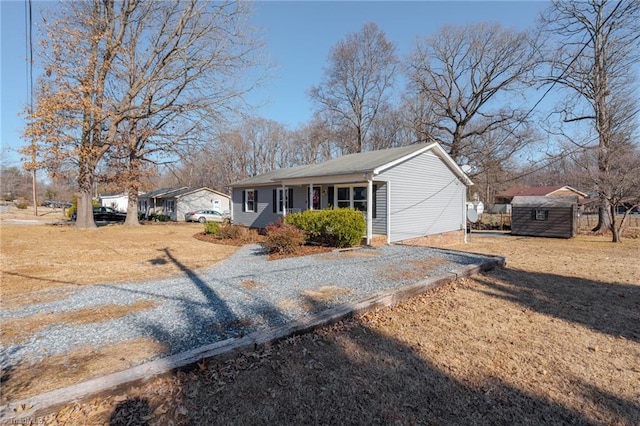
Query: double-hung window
[249,200]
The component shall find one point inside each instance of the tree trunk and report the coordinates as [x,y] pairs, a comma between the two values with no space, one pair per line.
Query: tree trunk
[615,235]
[84,212]
[133,186]
[603,220]
[132,209]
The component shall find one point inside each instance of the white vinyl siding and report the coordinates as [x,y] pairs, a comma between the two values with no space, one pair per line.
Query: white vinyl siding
[380,217]
[426,198]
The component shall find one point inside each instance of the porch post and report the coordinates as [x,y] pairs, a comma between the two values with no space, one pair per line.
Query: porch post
[369,210]
[284,201]
[310,196]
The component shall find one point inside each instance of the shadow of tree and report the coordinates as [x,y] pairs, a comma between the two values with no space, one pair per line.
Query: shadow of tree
[613,309]
[209,318]
[132,411]
[353,374]
[357,376]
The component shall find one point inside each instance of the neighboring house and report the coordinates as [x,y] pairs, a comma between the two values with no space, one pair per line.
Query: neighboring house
[407,192]
[505,197]
[117,201]
[544,216]
[176,202]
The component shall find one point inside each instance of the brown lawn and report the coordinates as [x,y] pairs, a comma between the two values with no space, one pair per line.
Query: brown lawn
[39,258]
[553,338]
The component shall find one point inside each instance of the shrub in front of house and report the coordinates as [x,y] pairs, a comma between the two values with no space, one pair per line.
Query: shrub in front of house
[312,222]
[246,235]
[212,228]
[335,228]
[283,238]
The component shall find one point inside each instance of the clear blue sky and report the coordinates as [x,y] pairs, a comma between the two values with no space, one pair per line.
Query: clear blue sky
[299,36]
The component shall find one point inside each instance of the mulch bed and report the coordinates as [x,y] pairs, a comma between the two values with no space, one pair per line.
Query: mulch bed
[304,250]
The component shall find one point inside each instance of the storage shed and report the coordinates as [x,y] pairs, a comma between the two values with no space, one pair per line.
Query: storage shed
[544,216]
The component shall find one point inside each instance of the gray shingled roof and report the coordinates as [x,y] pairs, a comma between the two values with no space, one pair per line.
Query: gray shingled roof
[363,162]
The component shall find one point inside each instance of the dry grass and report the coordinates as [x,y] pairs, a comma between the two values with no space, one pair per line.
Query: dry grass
[551,339]
[19,329]
[37,258]
[74,367]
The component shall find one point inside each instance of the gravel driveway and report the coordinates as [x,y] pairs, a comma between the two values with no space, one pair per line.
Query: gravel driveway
[241,294]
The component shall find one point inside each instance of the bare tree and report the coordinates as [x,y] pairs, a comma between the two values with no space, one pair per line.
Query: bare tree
[69,120]
[467,78]
[151,77]
[361,72]
[619,183]
[598,44]
[311,143]
[188,79]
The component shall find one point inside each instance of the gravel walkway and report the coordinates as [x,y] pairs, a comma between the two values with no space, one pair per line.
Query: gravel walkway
[241,294]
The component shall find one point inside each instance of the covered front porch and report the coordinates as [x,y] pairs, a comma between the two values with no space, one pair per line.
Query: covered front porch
[359,193]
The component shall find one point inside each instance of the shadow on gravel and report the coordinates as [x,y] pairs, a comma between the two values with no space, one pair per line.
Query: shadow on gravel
[613,309]
[211,320]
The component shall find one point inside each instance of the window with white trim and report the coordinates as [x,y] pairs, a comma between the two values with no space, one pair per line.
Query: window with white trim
[170,206]
[539,214]
[354,197]
[249,200]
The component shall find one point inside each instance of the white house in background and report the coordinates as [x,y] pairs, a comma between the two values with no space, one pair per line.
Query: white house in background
[177,202]
[407,192]
[117,201]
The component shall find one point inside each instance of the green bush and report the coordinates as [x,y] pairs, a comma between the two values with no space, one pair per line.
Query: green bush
[336,228]
[74,205]
[212,228]
[283,238]
[159,217]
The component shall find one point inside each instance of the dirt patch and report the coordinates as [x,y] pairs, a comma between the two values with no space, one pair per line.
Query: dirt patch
[250,284]
[551,339]
[18,329]
[414,269]
[82,364]
[319,298]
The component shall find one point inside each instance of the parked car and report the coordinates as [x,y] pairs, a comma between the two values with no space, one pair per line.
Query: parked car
[203,216]
[105,214]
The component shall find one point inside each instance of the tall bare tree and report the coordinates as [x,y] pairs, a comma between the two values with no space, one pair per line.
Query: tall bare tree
[597,49]
[467,78]
[148,78]
[357,82]
[69,118]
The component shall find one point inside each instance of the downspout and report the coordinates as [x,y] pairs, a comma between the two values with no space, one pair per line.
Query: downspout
[464,212]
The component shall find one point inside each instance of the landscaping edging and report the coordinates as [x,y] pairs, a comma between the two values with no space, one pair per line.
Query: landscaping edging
[47,402]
